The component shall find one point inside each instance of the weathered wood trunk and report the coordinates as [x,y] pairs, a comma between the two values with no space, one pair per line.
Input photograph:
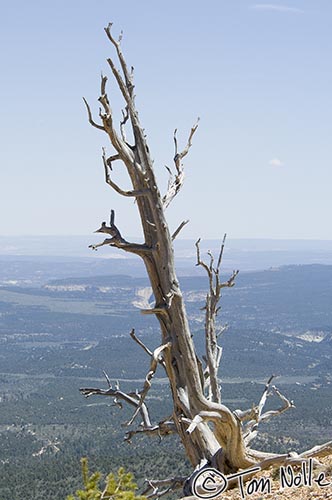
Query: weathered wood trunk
[183,370]
[225,445]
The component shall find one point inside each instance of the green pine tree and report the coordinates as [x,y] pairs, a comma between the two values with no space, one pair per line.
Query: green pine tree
[119,486]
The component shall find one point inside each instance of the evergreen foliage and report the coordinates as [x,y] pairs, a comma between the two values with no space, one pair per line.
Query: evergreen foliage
[119,486]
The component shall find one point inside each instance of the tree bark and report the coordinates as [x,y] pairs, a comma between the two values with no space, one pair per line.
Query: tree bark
[196,393]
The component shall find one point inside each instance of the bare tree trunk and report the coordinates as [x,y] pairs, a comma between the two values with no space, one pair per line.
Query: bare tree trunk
[195,392]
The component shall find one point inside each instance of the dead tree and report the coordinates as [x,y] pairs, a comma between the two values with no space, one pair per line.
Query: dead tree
[195,390]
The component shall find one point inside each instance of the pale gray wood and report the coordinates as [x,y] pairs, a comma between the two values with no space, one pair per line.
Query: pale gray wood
[196,392]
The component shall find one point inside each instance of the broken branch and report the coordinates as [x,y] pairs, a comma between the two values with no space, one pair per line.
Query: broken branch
[162,429]
[181,226]
[91,120]
[255,415]
[175,183]
[125,117]
[178,156]
[140,343]
[117,44]
[107,167]
[132,399]
[170,483]
[117,240]
[147,383]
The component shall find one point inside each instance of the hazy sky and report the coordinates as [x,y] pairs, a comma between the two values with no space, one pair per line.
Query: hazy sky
[257,73]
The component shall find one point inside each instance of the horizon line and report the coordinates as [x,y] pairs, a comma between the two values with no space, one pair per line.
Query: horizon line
[260,238]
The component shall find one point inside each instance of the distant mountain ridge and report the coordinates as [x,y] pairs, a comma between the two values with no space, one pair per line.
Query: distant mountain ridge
[65,252]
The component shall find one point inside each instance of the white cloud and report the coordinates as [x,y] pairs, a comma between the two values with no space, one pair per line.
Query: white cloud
[275,162]
[276,7]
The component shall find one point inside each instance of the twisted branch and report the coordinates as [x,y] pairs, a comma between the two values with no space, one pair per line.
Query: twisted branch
[254,416]
[91,120]
[118,241]
[175,182]
[162,429]
[213,350]
[155,360]
[107,167]
[131,398]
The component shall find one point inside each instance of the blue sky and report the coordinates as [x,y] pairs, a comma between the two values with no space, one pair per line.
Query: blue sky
[257,73]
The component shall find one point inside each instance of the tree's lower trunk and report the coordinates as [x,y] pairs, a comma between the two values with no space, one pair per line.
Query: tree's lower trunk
[224,444]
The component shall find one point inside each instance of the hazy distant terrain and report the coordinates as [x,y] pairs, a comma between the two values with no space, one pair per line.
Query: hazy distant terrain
[246,255]
[65,319]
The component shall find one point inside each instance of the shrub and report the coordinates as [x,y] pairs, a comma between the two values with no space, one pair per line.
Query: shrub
[119,486]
